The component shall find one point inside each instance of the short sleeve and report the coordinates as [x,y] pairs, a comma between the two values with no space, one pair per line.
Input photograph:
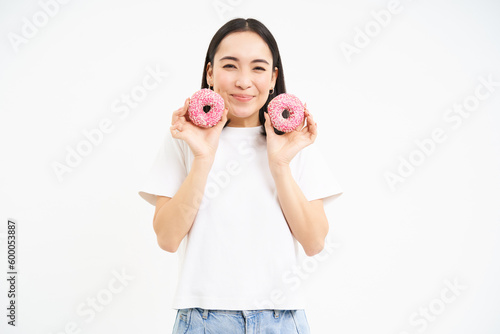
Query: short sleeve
[167,172]
[314,176]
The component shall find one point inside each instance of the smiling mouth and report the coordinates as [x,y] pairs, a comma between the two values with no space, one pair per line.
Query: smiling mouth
[243,98]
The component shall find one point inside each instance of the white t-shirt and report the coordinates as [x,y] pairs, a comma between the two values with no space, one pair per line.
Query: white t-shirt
[239,253]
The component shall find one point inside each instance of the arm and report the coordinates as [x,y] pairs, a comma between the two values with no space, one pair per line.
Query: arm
[306,219]
[174,216]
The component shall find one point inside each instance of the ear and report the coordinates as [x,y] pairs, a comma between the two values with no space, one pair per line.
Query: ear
[274,77]
[209,73]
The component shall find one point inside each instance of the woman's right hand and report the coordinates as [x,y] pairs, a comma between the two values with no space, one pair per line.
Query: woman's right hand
[202,141]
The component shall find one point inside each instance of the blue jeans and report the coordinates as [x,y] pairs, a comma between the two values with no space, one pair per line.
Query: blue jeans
[201,321]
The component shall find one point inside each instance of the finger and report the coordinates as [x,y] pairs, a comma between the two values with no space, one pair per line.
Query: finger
[314,131]
[267,124]
[183,111]
[306,114]
[311,124]
[310,119]
[223,119]
[180,119]
[175,132]
[303,124]
[306,111]
[178,126]
[180,112]
[175,116]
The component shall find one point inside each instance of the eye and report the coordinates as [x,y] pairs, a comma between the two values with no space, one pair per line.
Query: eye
[229,66]
[260,68]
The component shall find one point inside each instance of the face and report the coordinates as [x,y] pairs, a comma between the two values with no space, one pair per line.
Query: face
[242,74]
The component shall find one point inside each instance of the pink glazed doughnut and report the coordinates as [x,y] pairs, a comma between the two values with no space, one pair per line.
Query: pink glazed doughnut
[286,112]
[206,99]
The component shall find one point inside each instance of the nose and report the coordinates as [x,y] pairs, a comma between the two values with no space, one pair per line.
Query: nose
[243,81]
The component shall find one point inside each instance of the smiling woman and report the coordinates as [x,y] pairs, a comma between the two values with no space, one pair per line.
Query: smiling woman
[239,199]
[243,64]
[242,73]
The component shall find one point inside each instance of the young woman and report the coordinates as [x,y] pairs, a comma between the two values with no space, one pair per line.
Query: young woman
[237,199]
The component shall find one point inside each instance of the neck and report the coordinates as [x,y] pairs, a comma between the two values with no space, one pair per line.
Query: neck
[246,122]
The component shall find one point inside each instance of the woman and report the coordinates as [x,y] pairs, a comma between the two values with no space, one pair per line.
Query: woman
[237,198]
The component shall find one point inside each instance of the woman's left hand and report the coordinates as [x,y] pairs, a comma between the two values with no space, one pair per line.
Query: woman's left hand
[282,148]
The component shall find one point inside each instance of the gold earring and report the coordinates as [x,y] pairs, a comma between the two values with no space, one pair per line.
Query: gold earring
[271,91]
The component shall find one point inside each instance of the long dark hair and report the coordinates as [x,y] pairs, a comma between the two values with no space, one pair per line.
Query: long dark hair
[238,25]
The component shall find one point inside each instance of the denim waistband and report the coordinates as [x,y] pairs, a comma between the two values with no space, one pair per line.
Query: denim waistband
[244,313]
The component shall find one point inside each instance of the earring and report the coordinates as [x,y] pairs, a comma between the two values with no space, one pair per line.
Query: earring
[209,87]
[271,91]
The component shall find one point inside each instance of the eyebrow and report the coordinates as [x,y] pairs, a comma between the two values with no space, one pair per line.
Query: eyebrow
[236,59]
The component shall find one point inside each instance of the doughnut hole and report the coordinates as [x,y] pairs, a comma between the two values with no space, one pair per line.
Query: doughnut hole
[285,114]
[206,109]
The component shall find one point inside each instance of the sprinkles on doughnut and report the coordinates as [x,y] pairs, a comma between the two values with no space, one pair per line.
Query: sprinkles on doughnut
[286,112]
[206,108]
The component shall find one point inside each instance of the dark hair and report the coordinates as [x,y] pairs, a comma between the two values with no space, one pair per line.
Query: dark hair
[238,25]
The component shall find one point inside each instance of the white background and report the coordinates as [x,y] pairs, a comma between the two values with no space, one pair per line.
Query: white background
[396,246]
